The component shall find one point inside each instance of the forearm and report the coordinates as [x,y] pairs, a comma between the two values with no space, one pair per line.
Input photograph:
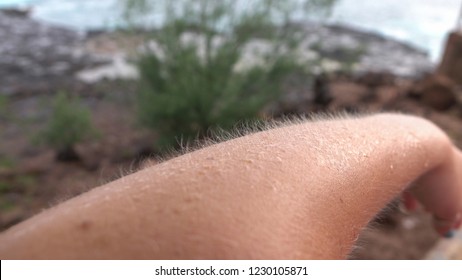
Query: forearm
[301,191]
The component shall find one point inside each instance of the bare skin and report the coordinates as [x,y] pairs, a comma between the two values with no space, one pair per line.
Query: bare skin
[302,191]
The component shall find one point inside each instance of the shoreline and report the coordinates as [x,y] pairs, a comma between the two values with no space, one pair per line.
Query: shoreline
[41,55]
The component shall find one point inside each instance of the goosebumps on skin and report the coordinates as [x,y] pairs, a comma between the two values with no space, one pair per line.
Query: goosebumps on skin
[303,191]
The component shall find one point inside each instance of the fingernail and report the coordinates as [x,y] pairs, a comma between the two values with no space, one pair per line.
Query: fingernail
[450,234]
[443,227]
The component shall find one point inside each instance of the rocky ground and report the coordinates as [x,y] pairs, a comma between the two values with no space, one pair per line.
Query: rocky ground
[35,56]
[37,60]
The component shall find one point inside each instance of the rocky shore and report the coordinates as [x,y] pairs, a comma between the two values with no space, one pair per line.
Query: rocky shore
[40,57]
[374,53]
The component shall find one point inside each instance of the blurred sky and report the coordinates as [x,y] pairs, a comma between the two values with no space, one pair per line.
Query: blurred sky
[423,23]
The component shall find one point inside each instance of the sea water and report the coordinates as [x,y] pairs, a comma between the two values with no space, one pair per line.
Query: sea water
[423,23]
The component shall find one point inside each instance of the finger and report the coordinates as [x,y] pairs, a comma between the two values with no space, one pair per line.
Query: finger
[440,192]
[442,226]
[458,222]
[409,201]
[445,227]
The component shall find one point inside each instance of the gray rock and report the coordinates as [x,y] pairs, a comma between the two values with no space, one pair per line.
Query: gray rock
[374,52]
[33,53]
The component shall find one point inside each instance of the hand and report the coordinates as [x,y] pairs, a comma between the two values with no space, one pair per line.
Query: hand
[440,193]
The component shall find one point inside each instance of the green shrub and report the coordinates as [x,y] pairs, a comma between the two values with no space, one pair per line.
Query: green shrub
[187,100]
[188,88]
[70,123]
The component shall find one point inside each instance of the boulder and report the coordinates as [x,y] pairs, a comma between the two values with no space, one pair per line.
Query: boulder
[35,54]
[436,91]
[451,64]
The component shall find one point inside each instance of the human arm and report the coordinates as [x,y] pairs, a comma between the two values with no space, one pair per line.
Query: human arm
[298,191]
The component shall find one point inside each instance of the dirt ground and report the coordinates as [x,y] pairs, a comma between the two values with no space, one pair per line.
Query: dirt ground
[31,180]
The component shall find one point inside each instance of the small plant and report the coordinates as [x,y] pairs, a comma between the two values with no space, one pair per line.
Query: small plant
[202,73]
[6,205]
[6,162]
[70,123]
[3,105]
[5,187]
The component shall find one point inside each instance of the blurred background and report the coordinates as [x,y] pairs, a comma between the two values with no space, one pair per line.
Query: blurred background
[92,89]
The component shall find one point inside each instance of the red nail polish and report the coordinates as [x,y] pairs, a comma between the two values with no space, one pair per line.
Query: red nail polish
[458,224]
